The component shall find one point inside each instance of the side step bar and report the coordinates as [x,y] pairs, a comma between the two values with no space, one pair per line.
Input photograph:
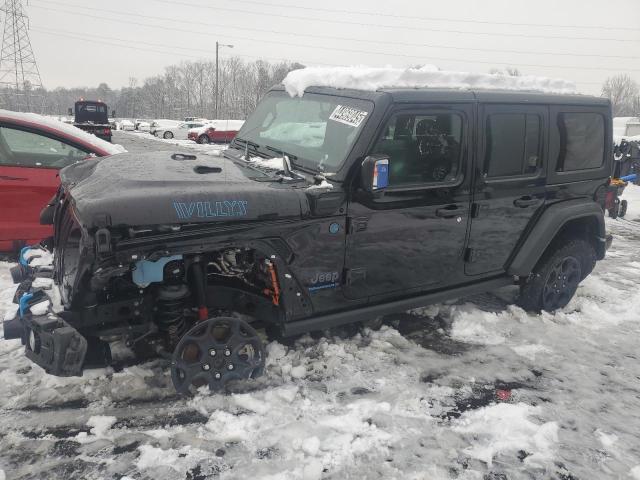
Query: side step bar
[371,311]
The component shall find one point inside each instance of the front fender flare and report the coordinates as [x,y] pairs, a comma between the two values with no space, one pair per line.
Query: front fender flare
[547,227]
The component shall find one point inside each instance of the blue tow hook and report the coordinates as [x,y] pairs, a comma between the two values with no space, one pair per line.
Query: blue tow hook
[24,303]
[23,261]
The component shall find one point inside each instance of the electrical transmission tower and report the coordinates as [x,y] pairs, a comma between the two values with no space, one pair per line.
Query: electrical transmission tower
[20,82]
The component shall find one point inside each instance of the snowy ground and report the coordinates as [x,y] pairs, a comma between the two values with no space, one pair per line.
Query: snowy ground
[473,390]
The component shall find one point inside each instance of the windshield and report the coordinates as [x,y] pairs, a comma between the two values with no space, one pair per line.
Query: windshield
[318,130]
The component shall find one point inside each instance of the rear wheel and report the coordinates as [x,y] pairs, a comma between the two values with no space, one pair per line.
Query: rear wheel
[555,279]
[168,135]
[203,139]
[623,208]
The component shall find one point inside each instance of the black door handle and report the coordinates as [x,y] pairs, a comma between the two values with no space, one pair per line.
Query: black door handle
[451,211]
[525,202]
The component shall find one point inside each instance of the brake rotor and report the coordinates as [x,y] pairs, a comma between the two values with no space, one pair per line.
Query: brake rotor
[215,352]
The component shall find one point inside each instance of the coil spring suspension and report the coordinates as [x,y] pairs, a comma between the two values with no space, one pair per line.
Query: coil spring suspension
[171,302]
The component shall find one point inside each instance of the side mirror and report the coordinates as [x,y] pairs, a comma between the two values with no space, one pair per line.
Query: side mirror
[374,173]
[70,112]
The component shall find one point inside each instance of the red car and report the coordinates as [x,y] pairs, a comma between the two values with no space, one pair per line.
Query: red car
[218,131]
[32,150]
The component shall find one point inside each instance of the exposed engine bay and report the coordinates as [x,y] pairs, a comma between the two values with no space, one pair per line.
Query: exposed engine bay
[187,308]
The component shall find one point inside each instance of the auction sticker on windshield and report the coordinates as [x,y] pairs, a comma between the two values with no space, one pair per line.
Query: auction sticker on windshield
[348,115]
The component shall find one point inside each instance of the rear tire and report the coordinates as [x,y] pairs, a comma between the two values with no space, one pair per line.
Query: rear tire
[555,278]
[167,135]
[203,139]
[623,208]
[614,211]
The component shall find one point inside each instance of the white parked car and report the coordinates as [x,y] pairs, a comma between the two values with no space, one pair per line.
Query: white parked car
[179,132]
[126,125]
[144,127]
[161,124]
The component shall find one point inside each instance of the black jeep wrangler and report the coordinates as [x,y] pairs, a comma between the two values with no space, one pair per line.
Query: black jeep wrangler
[331,208]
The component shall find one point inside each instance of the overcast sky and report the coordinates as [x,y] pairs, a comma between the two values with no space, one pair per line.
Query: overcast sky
[85,42]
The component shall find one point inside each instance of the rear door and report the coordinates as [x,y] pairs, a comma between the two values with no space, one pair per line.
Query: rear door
[411,238]
[510,182]
[29,164]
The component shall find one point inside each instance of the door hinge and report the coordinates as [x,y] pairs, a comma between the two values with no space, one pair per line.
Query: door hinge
[358,224]
[469,255]
[355,275]
[475,210]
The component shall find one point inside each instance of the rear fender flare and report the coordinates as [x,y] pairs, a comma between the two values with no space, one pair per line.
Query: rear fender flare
[547,227]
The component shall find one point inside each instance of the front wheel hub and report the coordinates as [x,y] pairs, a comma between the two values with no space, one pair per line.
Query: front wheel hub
[195,363]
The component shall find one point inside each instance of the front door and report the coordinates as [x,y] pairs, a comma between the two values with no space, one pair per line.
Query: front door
[411,237]
[510,187]
[29,165]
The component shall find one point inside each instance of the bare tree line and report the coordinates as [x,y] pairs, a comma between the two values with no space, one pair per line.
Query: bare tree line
[624,94]
[187,89]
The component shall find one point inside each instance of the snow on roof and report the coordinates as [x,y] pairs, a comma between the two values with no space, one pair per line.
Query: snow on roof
[63,128]
[375,78]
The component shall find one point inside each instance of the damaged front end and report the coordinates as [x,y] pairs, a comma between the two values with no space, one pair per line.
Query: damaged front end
[190,291]
[49,340]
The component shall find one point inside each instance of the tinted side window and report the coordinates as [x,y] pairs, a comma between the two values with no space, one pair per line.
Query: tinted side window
[422,148]
[582,139]
[27,149]
[512,144]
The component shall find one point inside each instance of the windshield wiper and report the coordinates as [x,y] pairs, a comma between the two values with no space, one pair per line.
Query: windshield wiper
[280,151]
[286,160]
[254,146]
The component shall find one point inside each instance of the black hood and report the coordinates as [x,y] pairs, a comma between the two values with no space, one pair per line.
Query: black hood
[145,189]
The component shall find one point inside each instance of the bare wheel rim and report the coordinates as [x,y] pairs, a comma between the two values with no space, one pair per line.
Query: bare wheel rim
[215,352]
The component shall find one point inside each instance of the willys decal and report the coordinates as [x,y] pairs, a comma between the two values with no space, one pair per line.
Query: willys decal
[223,208]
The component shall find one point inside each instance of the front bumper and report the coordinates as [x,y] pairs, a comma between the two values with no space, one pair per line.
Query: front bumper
[49,340]
[54,345]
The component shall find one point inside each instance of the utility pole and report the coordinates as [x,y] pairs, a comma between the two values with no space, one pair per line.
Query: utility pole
[20,83]
[218,45]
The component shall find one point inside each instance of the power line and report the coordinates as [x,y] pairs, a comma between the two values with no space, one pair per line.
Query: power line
[439,19]
[382,25]
[349,39]
[127,44]
[368,52]
[423,29]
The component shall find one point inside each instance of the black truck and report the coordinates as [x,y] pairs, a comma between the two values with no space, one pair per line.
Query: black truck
[385,201]
[92,117]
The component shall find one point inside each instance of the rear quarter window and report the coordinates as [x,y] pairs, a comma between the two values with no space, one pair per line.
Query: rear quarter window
[582,141]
